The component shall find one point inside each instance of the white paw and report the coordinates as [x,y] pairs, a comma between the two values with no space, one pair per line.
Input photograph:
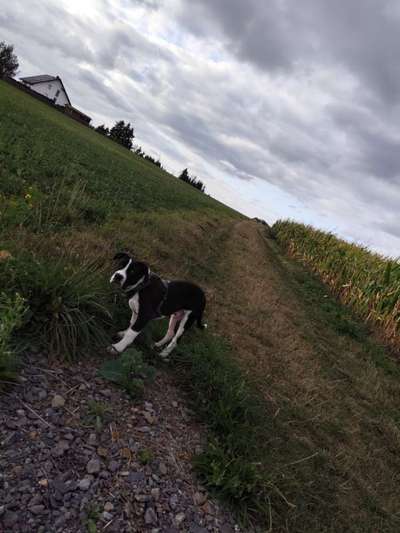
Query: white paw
[112,350]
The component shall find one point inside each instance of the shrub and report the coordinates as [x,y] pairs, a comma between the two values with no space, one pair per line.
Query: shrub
[12,309]
[68,307]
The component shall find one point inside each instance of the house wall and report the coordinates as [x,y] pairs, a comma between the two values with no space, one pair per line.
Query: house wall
[49,89]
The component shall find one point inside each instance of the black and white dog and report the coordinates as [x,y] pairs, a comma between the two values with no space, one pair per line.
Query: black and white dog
[151,297]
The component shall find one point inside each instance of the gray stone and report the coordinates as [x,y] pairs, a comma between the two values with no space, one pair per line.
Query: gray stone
[107,516]
[173,501]
[93,466]
[37,509]
[155,493]
[10,519]
[113,466]
[150,516]
[163,469]
[179,518]
[108,506]
[57,401]
[85,483]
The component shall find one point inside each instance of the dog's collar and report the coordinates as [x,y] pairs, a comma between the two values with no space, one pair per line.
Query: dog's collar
[142,283]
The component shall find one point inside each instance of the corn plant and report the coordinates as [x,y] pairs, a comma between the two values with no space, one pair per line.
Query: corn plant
[367,282]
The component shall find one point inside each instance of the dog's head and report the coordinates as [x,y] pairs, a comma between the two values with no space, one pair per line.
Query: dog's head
[130,273]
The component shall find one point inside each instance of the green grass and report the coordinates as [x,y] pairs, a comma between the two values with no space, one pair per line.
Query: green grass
[43,149]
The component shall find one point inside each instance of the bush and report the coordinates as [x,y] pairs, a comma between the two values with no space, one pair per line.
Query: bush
[12,309]
[68,308]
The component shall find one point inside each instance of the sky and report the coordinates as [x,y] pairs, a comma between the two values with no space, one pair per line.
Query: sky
[284,109]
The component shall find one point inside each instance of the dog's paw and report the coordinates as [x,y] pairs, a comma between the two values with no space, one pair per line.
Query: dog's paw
[112,350]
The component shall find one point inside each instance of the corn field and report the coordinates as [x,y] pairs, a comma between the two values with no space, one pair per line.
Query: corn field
[365,281]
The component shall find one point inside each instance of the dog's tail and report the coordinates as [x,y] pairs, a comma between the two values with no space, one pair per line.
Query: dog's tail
[199,321]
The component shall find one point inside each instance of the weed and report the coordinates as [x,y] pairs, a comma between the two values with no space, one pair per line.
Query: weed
[98,414]
[129,371]
[145,456]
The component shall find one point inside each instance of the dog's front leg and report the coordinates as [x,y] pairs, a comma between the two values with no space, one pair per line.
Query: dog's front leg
[129,336]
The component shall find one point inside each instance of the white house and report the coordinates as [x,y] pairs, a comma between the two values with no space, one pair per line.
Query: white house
[50,86]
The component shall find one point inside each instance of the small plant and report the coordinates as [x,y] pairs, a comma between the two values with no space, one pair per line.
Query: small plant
[129,372]
[12,310]
[145,456]
[97,413]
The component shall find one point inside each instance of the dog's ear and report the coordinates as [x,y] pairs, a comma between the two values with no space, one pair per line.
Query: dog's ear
[121,255]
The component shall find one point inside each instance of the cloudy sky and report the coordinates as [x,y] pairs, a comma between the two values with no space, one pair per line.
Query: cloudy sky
[283,108]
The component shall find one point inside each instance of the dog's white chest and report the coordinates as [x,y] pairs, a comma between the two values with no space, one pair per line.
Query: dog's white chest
[134,305]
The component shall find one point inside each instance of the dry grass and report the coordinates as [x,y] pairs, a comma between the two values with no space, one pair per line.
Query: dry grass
[334,410]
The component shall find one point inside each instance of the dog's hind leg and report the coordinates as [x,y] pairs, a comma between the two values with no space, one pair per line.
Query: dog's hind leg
[174,341]
[173,321]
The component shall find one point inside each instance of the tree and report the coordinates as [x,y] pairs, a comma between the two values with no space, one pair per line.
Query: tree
[191,180]
[8,60]
[103,130]
[122,133]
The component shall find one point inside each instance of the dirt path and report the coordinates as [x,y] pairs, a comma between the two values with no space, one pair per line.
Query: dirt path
[333,413]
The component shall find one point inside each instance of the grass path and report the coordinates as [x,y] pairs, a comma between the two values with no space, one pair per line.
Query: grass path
[332,450]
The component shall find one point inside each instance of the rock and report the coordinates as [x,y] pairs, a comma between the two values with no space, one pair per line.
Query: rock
[113,466]
[93,466]
[37,509]
[150,516]
[107,516]
[42,394]
[173,501]
[108,506]
[20,412]
[200,498]
[60,448]
[163,469]
[57,401]
[175,404]
[92,439]
[155,493]
[10,519]
[179,518]
[85,483]
[150,419]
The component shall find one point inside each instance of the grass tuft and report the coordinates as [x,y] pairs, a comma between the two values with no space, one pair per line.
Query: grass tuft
[68,312]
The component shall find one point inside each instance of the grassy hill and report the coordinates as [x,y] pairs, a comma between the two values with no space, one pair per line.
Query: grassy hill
[301,405]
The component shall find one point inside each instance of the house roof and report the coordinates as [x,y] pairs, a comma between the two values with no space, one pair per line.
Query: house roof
[32,80]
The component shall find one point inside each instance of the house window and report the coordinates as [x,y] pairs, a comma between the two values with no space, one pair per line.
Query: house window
[57,93]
